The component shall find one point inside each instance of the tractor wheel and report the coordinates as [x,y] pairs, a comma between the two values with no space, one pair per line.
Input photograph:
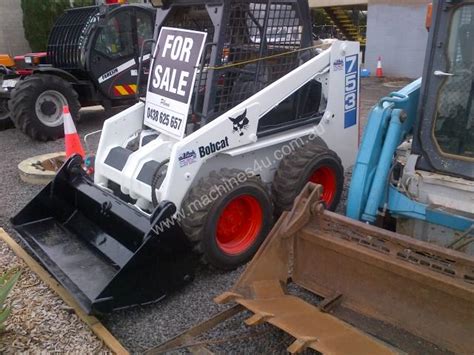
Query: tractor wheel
[36,106]
[227,220]
[313,162]
[5,121]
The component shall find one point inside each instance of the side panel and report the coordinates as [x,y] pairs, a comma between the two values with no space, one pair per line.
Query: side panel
[220,136]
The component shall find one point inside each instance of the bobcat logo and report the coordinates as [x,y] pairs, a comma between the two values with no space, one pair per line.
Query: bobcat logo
[241,123]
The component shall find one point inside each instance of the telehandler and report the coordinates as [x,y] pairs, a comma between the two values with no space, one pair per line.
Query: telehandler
[92,58]
[207,160]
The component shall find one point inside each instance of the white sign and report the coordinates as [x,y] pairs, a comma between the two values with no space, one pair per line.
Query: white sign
[10,83]
[171,81]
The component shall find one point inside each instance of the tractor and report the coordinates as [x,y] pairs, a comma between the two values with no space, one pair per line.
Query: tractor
[199,168]
[6,70]
[92,58]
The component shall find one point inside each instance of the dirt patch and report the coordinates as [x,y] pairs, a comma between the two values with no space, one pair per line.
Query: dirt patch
[40,321]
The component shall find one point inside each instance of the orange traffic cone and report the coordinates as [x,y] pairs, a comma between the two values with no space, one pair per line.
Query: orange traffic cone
[71,138]
[379,71]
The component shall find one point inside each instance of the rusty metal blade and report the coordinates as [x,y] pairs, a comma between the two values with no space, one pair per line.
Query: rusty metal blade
[416,286]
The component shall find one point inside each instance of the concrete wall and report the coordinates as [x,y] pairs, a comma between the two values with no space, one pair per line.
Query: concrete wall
[396,32]
[12,35]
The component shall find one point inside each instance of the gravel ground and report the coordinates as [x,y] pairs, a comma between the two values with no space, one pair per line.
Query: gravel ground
[140,328]
[39,319]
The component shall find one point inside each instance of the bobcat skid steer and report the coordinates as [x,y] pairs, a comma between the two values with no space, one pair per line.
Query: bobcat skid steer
[241,111]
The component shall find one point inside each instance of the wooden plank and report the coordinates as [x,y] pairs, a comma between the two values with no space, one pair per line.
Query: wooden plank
[94,324]
[187,336]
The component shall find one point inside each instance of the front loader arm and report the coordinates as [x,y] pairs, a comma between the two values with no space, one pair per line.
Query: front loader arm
[223,134]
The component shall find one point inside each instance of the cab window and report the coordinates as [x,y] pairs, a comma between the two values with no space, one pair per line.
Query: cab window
[305,103]
[454,123]
[115,39]
[144,27]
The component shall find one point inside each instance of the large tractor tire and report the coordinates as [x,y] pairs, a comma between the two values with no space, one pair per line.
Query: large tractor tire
[5,121]
[227,220]
[313,162]
[36,106]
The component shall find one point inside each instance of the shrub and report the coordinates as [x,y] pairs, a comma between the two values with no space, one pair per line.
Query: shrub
[7,281]
[39,17]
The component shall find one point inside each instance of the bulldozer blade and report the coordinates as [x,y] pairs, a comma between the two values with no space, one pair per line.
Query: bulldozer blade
[105,252]
[413,285]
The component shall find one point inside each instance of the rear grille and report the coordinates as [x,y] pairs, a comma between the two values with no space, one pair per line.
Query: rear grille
[257,29]
[68,38]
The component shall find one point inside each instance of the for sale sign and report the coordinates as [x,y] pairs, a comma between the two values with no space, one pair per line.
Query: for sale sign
[171,81]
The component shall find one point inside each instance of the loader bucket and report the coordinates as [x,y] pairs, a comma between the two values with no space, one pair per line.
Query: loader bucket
[101,249]
[413,285]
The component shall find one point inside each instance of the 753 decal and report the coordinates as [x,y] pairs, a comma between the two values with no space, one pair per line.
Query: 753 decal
[350,90]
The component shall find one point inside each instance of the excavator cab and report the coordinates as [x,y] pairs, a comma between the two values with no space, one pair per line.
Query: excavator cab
[445,137]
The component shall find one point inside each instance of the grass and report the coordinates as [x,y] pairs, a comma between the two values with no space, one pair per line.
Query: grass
[7,281]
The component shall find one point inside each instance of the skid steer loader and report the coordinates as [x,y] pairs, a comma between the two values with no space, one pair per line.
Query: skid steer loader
[224,140]
[414,174]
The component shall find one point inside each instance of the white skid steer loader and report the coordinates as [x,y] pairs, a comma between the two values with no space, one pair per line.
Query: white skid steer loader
[222,142]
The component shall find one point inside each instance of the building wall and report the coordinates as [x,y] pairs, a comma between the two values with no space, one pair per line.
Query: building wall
[325,3]
[396,32]
[12,35]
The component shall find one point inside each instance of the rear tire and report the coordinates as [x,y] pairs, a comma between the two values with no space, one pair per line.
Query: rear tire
[5,121]
[227,230]
[36,106]
[313,162]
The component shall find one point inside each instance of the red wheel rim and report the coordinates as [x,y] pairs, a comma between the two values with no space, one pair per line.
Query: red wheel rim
[239,224]
[326,177]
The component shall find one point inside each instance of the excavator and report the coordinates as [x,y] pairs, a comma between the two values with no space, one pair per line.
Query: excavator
[403,254]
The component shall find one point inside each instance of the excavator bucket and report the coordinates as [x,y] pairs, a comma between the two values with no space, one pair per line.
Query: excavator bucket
[107,253]
[413,285]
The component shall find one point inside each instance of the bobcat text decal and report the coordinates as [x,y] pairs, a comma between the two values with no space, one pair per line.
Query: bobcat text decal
[210,148]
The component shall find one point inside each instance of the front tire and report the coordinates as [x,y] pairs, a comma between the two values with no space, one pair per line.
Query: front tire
[227,230]
[313,162]
[5,121]
[36,106]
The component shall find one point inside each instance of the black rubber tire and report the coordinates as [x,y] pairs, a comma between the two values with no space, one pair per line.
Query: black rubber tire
[23,100]
[200,223]
[5,121]
[295,170]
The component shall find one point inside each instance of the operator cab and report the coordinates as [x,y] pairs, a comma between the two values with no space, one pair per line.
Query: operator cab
[445,135]
[255,48]
[115,50]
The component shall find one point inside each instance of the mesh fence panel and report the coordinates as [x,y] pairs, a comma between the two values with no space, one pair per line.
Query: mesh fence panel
[253,30]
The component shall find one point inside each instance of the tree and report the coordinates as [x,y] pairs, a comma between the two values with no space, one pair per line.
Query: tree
[39,17]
